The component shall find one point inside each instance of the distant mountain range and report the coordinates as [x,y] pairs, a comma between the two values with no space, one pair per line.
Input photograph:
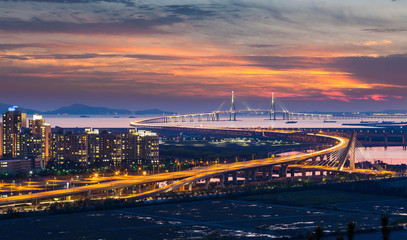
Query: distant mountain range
[81,109]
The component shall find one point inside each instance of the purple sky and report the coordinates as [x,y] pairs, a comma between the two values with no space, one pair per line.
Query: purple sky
[314,55]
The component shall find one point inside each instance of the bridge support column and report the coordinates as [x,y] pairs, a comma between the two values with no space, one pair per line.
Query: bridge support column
[385,141]
[283,170]
[254,171]
[222,180]
[304,173]
[270,173]
[225,178]
[247,174]
[404,141]
[292,172]
[234,174]
[264,177]
[190,187]
[207,182]
[314,173]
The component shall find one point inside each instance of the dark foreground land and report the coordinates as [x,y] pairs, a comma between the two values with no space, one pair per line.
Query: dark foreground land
[266,216]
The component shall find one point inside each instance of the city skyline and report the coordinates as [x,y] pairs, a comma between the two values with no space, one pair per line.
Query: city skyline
[315,55]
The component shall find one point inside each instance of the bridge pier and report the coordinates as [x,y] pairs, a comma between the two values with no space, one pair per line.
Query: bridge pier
[270,173]
[225,179]
[264,176]
[283,170]
[222,180]
[207,182]
[254,171]
[190,187]
[234,174]
[247,174]
[292,172]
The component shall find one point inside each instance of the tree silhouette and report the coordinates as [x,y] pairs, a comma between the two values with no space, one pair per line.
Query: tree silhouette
[385,227]
[318,232]
[351,230]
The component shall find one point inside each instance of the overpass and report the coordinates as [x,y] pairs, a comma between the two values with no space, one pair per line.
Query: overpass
[335,158]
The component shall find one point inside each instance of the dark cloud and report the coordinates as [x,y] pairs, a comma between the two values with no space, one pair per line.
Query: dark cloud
[90,56]
[127,26]
[11,46]
[385,30]
[192,11]
[381,70]
[277,62]
[263,45]
[372,70]
[78,1]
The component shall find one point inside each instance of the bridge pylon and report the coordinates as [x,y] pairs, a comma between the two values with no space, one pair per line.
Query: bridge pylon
[272,108]
[232,112]
[348,153]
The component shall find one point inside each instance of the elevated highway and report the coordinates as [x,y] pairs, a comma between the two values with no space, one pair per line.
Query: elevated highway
[182,178]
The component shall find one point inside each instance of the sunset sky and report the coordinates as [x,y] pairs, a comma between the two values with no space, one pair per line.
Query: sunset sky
[347,55]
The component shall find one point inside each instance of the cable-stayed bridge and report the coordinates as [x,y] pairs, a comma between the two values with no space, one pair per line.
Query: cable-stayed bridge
[276,111]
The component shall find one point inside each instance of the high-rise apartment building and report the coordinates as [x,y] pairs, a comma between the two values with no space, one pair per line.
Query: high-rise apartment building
[69,147]
[105,148]
[149,147]
[13,121]
[31,144]
[1,142]
[131,148]
[37,125]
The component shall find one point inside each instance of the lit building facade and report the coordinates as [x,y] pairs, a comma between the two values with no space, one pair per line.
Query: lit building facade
[104,147]
[76,147]
[149,147]
[38,125]
[13,121]
[69,147]
[31,144]
[18,166]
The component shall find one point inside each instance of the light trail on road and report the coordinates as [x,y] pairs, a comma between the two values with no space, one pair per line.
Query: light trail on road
[186,176]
